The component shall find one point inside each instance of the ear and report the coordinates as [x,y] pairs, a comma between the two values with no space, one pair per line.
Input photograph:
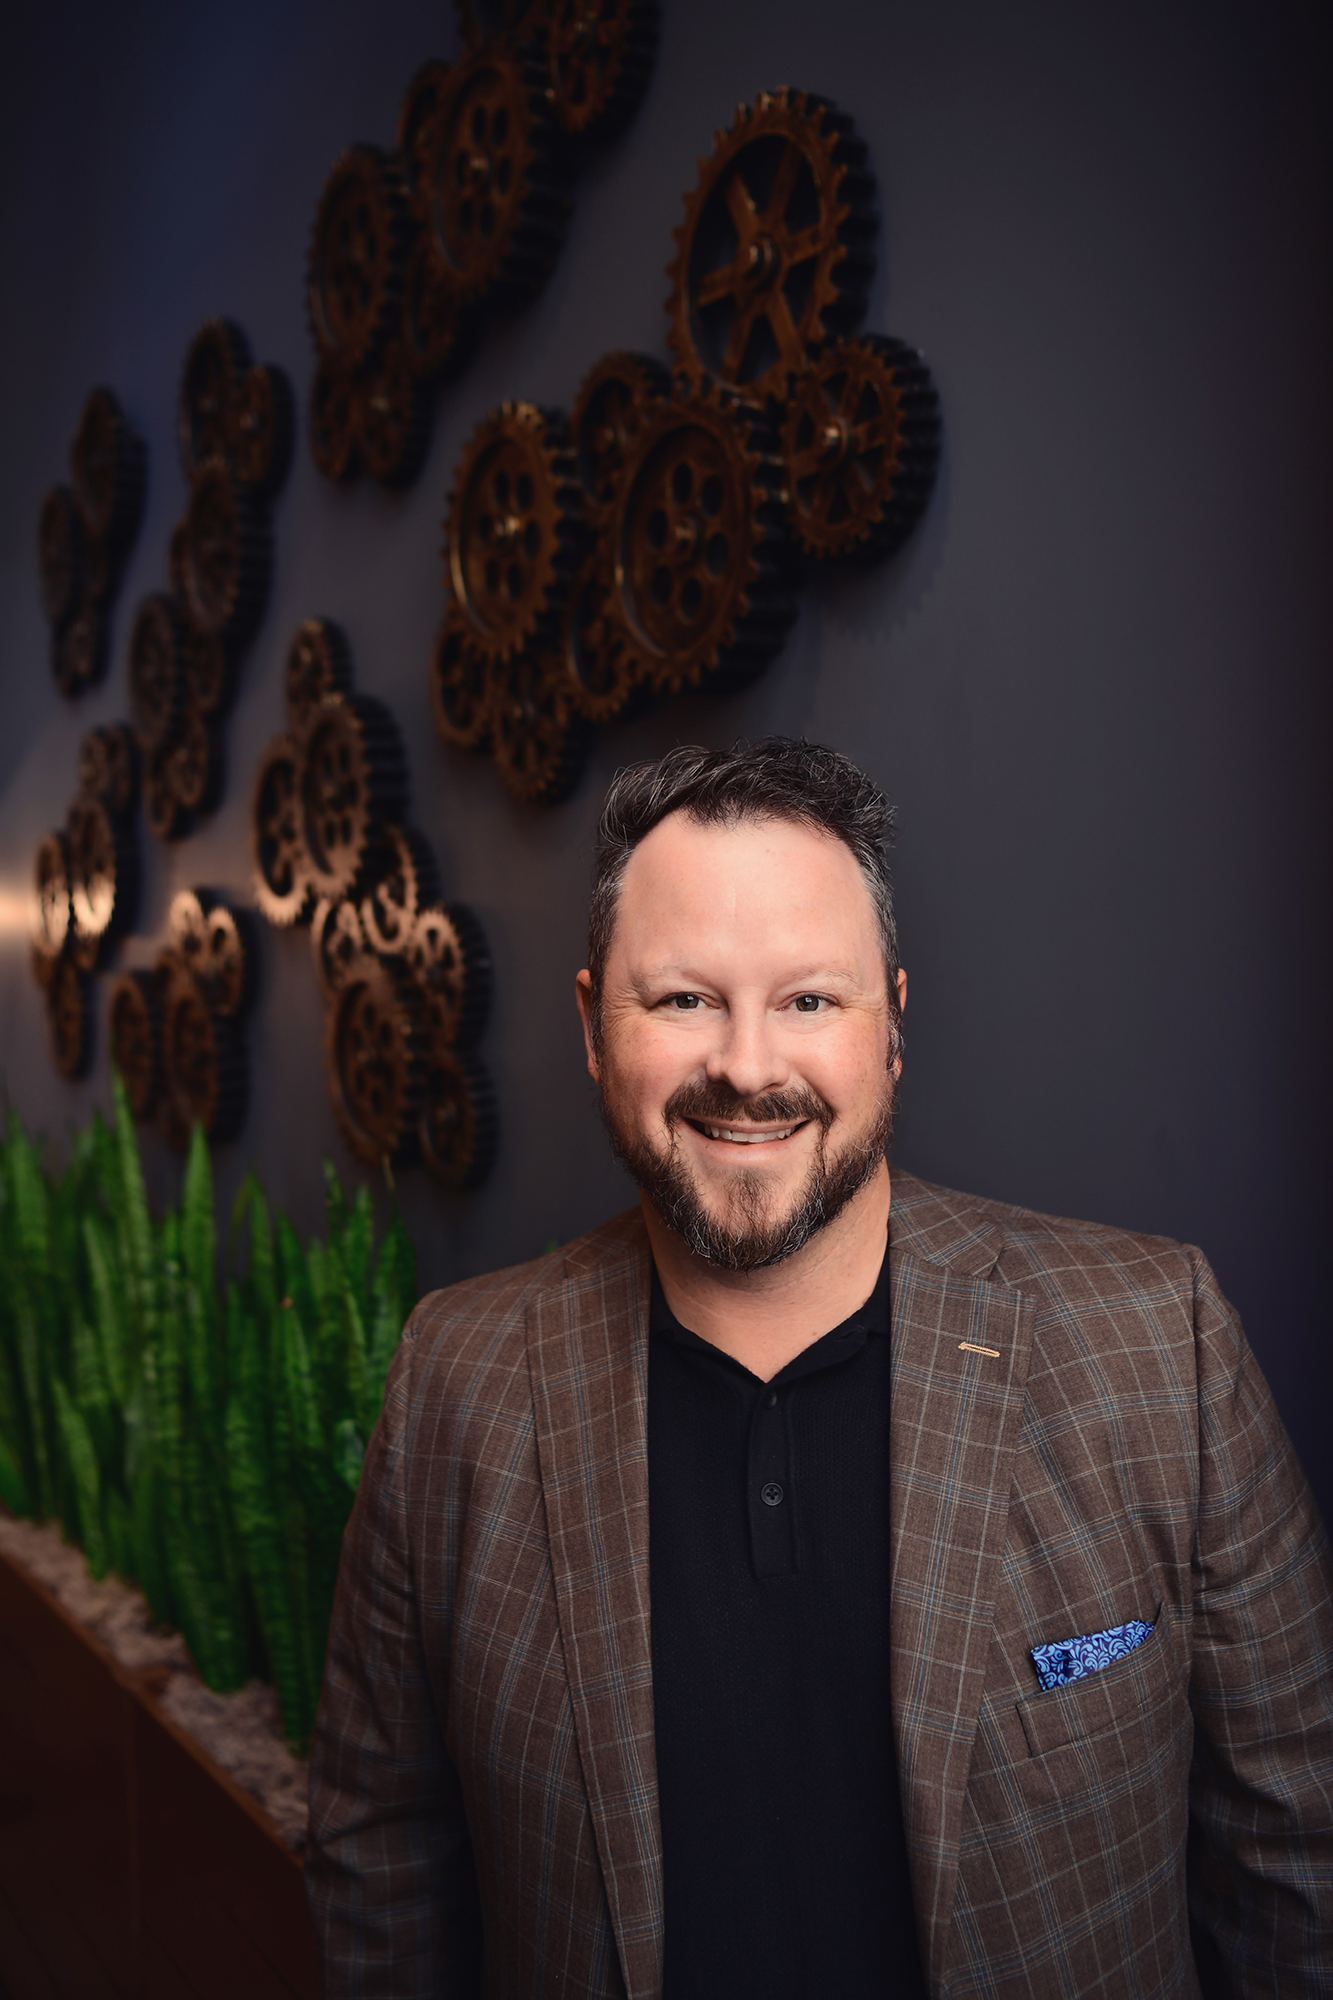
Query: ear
[896,1066]
[583,1000]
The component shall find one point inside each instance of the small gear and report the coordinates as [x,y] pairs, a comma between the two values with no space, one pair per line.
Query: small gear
[109,767]
[353,779]
[615,396]
[392,419]
[157,670]
[102,878]
[373,1043]
[606,679]
[195,763]
[225,557]
[860,443]
[356,256]
[61,556]
[70,1015]
[134,1019]
[514,529]
[599,57]
[775,254]
[319,662]
[51,917]
[496,203]
[262,429]
[80,650]
[281,870]
[460,690]
[338,945]
[702,591]
[450,961]
[333,421]
[406,881]
[209,672]
[538,736]
[459,1128]
[216,362]
[203,1066]
[107,472]
[167,818]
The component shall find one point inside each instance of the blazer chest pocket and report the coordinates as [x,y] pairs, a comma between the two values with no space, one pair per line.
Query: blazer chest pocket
[1123,1718]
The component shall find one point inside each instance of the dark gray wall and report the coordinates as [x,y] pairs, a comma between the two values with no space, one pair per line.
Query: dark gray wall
[1095,683]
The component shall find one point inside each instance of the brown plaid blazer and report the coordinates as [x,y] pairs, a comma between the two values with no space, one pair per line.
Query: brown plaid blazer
[1079,1437]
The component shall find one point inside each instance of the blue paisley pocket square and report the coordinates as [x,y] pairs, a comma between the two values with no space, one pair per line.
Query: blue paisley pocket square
[1070,1659]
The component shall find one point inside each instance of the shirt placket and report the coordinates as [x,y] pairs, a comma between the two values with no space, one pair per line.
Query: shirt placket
[769,1497]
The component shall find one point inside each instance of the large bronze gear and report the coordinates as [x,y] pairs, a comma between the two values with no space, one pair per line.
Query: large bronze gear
[450,961]
[216,363]
[107,470]
[194,764]
[319,663]
[263,430]
[860,442]
[333,422]
[213,942]
[109,767]
[703,593]
[514,529]
[338,945]
[373,1045]
[775,255]
[539,736]
[357,255]
[157,670]
[606,680]
[102,880]
[615,396]
[458,1128]
[203,1065]
[134,1022]
[70,1015]
[459,687]
[281,881]
[392,419]
[496,203]
[225,557]
[599,57]
[167,816]
[353,780]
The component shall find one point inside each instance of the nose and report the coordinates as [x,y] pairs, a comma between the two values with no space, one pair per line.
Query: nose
[747,1056]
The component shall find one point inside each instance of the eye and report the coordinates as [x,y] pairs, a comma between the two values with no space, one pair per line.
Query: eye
[686,1002]
[808,1003]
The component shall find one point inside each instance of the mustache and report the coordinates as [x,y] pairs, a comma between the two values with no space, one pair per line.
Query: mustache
[719,1104]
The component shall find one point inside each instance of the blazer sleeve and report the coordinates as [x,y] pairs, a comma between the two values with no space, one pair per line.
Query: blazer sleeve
[1261,1793]
[389,1869]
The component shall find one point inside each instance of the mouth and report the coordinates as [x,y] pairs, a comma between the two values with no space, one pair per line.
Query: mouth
[747,1135]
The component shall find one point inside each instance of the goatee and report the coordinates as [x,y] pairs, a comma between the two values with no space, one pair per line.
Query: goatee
[748,1239]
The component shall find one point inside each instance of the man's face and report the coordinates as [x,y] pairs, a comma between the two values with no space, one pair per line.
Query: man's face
[748,1061]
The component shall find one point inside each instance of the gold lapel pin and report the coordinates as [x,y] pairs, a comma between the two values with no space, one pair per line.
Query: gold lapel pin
[970,1347]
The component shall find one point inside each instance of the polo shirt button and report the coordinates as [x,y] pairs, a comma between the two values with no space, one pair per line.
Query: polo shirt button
[770,1399]
[771,1495]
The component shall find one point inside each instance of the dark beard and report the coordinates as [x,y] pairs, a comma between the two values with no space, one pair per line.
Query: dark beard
[750,1243]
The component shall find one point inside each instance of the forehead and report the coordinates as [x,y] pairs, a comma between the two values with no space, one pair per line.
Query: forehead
[761,885]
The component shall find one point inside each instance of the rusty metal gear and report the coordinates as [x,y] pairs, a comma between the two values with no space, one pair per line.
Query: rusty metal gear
[216,363]
[79,652]
[52,919]
[194,761]
[438,325]
[514,529]
[103,879]
[353,780]
[615,396]
[539,737]
[210,672]
[134,1023]
[203,1064]
[225,557]
[333,422]
[496,203]
[606,679]
[109,767]
[168,818]
[357,252]
[319,663]
[281,881]
[61,556]
[404,883]
[70,1015]
[107,468]
[460,690]
[599,57]
[373,1044]
[262,429]
[157,670]
[775,255]
[450,961]
[214,943]
[703,593]
[392,419]
[338,945]
[860,442]
[459,1128]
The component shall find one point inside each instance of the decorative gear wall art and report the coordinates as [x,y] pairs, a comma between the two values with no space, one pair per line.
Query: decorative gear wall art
[86,880]
[782,438]
[405,978]
[235,425]
[176,1031]
[412,247]
[85,532]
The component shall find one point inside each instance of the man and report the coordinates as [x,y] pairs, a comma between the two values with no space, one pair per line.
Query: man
[806,1584]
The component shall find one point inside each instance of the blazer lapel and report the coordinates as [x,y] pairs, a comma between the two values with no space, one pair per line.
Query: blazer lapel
[588,1356]
[954,1422]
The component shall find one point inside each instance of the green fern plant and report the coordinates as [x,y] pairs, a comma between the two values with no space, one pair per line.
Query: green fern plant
[200,1435]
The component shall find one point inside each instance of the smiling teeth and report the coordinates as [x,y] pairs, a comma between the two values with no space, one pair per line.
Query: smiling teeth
[746,1138]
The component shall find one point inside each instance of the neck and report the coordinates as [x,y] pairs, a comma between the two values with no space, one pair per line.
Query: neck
[764,1319]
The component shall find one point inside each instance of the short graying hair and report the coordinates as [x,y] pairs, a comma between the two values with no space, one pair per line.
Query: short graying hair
[778,778]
